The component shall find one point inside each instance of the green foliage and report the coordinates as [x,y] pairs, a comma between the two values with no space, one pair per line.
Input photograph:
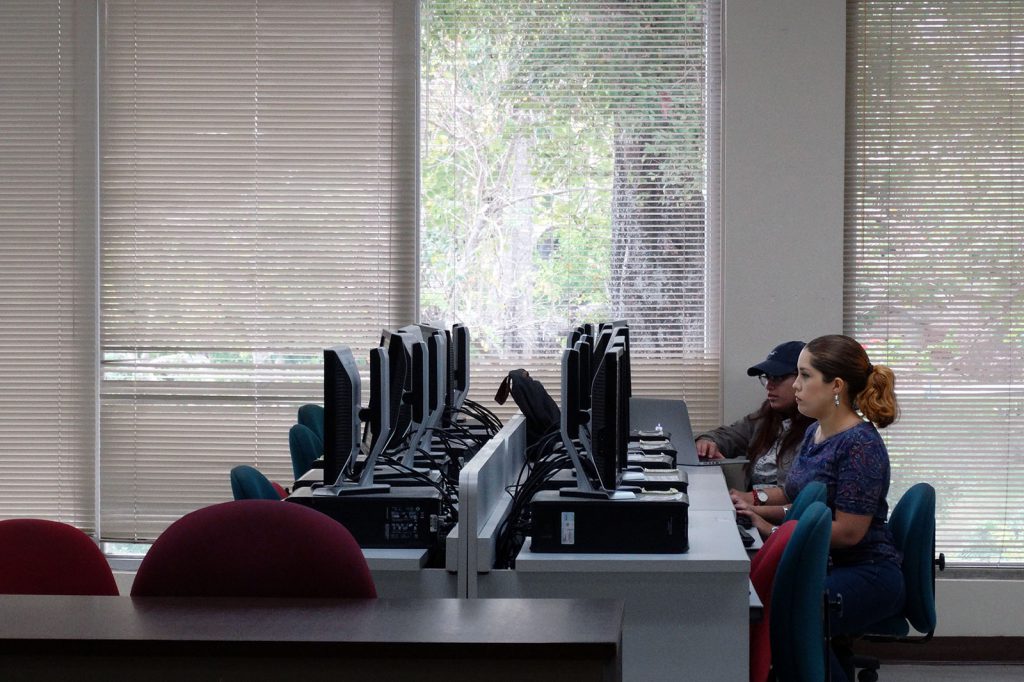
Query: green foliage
[527,108]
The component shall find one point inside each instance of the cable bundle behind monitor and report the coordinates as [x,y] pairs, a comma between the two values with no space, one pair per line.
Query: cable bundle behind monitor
[546,459]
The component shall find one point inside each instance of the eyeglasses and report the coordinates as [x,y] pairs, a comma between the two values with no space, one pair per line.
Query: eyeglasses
[766,379]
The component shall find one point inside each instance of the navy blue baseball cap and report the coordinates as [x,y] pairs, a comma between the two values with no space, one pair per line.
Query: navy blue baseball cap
[780,362]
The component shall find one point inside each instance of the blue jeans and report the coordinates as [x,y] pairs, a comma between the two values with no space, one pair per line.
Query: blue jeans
[871,591]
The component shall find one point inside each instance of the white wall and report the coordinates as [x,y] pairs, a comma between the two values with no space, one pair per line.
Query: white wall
[782,199]
[782,210]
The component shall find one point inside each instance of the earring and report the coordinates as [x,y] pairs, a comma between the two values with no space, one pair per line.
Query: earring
[836,399]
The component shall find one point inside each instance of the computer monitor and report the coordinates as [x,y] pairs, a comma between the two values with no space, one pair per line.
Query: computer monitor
[378,416]
[583,348]
[400,409]
[417,389]
[437,372]
[599,467]
[588,482]
[341,413]
[573,336]
[449,381]
[620,339]
[609,434]
[460,371]
[601,342]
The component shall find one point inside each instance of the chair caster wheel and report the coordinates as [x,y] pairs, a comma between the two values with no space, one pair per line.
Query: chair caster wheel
[867,675]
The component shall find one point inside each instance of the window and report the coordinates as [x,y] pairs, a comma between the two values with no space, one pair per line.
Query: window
[47,260]
[935,228]
[257,180]
[566,149]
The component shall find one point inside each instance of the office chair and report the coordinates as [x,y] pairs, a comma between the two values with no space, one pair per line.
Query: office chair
[799,648]
[247,483]
[49,557]
[255,548]
[912,523]
[763,566]
[312,417]
[305,448]
[815,491]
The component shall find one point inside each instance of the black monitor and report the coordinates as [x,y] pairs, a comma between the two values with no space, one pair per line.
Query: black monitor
[378,416]
[586,361]
[588,482]
[621,340]
[417,389]
[399,410]
[608,433]
[341,413]
[460,372]
[583,348]
[449,381]
[437,372]
[601,342]
[573,336]
[599,468]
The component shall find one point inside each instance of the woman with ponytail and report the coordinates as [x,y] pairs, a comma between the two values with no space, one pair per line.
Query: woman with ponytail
[850,399]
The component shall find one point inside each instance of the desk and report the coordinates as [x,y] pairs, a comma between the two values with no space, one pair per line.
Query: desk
[86,638]
[686,615]
[401,573]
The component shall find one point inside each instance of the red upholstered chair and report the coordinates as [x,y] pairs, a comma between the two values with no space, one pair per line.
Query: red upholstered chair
[762,575]
[49,557]
[255,548]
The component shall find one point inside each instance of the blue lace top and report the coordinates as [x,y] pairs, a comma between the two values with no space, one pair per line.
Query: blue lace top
[854,466]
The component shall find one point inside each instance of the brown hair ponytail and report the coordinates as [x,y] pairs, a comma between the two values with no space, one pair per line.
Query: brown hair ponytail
[877,401]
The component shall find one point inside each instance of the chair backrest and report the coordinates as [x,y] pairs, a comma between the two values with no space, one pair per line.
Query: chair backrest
[49,557]
[797,631]
[815,491]
[762,574]
[255,548]
[312,417]
[247,483]
[912,523]
[305,448]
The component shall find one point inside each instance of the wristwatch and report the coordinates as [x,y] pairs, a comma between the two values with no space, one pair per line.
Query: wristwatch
[760,497]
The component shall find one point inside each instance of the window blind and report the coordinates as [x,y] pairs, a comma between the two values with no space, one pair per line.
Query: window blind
[47,285]
[258,182]
[934,245]
[569,156]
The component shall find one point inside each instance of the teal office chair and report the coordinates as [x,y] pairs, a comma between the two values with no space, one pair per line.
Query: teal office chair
[247,483]
[305,449]
[312,417]
[815,491]
[912,523]
[797,629]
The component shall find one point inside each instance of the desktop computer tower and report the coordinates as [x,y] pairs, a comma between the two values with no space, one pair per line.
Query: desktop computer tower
[650,523]
[407,517]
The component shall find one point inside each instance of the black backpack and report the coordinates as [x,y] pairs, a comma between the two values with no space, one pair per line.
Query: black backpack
[540,410]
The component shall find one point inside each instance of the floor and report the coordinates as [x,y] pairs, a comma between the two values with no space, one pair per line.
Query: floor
[951,673]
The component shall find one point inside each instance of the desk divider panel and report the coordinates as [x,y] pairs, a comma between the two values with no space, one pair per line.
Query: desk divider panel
[484,501]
